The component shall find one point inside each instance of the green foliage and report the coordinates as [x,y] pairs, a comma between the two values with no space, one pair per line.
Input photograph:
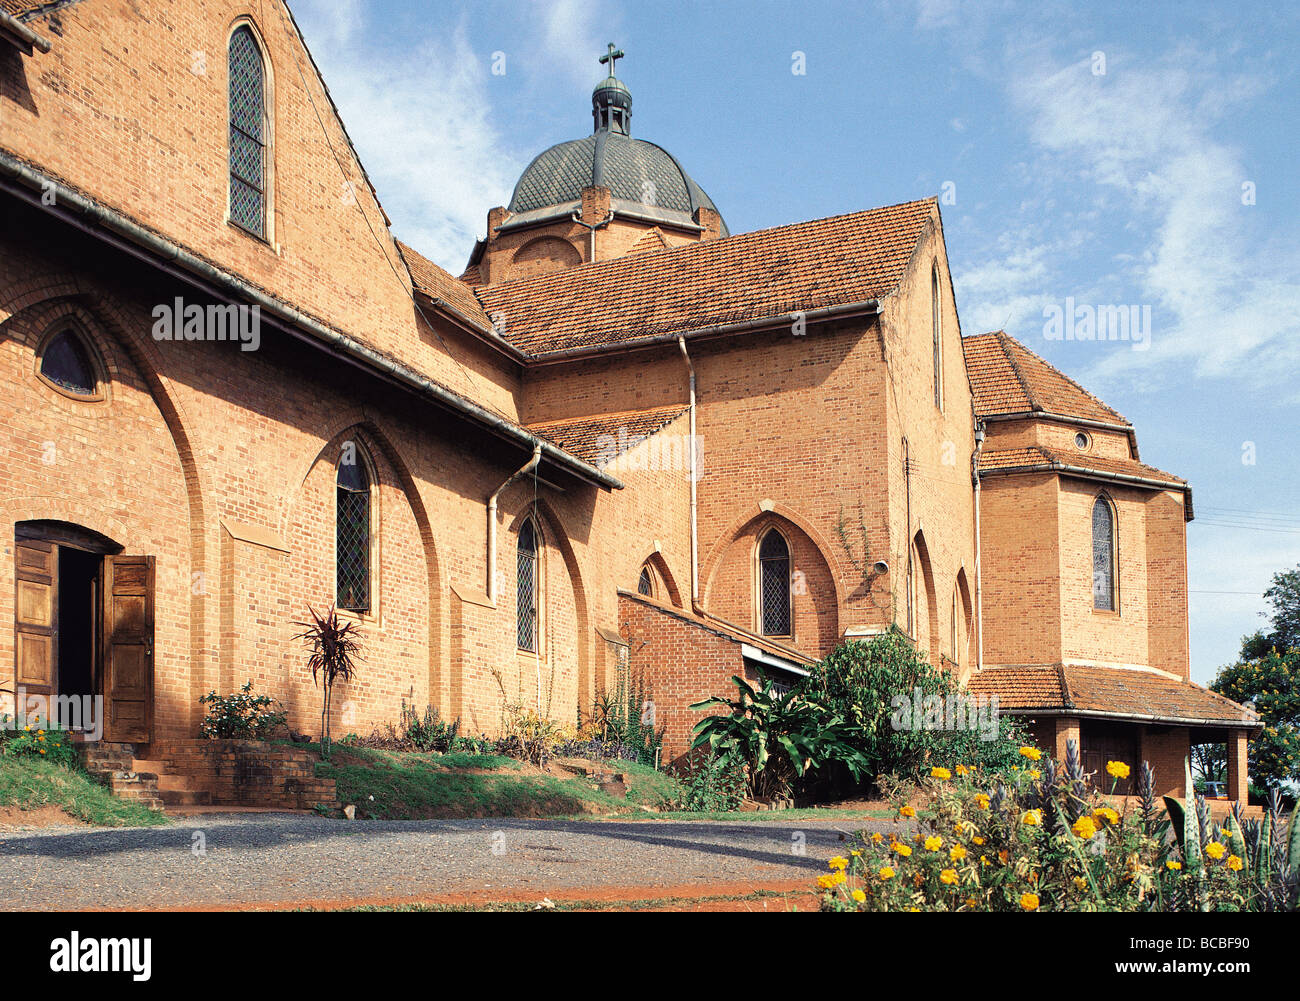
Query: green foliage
[29,781]
[1272,683]
[1283,597]
[333,649]
[780,737]
[426,733]
[715,785]
[859,682]
[37,742]
[627,717]
[242,716]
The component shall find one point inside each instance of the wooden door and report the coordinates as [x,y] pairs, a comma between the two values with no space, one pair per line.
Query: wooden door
[36,619]
[128,648]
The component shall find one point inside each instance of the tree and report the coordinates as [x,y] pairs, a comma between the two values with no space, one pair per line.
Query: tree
[334,649]
[1272,683]
[1283,597]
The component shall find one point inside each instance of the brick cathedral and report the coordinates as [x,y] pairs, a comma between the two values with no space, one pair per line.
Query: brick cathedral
[624,440]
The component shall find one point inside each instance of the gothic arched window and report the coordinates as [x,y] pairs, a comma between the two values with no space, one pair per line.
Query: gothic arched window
[1103,556]
[67,363]
[774,584]
[937,335]
[352,530]
[645,585]
[248,132]
[526,587]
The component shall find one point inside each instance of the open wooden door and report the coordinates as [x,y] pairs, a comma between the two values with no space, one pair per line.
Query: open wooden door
[128,648]
[36,611]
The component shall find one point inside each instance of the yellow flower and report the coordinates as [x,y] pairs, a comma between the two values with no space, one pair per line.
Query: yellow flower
[1032,753]
[972,902]
[877,837]
[1032,818]
[41,739]
[1084,828]
[906,811]
[940,773]
[982,800]
[40,733]
[886,873]
[1171,864]
[1029,901]
[933,843]
[837,878]
[903,850]
[1107,814]
[42,750]
[838,862]
[962,769]
[948,876]
[1234,863]
[858,895]
[1035,774]
[1117,769]
[825,881]
[984,860]
[1215,850]
[1080,883]
[958,853]
[978,840]
[856,851]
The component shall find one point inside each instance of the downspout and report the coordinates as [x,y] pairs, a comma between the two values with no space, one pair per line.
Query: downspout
[523,470]
[695,539]
[979,583]
[591,228]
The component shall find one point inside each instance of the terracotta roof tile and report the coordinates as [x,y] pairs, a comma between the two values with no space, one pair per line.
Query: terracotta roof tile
[601,439]
[1108,690]
[25,10]
[752,276]
[1037,455]
[436,283]
[1008,378]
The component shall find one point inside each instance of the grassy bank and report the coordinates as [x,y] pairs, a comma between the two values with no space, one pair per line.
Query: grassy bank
[397,785]
[30,783]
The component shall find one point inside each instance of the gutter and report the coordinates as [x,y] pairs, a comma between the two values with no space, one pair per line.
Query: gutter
[867,307]
[1139,718]
[1093,474]
[1083,422]
[24,37]
[125,234]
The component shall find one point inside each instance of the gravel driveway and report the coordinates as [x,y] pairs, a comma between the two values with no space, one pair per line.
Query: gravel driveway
[252,859]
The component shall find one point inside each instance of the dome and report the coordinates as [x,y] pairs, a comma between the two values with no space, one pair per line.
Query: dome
[643,179]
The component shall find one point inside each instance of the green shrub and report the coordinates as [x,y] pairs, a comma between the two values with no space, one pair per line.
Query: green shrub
[428,732]
[34,741]
[715,785]
[242,716]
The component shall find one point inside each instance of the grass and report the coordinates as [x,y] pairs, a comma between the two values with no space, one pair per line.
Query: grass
[399,785]
[29,783]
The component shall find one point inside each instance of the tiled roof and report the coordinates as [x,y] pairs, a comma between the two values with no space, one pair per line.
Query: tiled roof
[1117,691]
[1008,378]
[601,439]
[436,283]
[653,239]
[25,10]
[753,276]
[1037,455]
[721,627]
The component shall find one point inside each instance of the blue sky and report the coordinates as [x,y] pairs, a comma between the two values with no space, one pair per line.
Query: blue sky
[1134,155]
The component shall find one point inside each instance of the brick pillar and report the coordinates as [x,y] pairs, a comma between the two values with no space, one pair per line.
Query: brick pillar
[1237,787]
[1067,729]
[711,221]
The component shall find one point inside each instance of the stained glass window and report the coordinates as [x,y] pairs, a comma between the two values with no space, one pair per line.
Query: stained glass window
[645,585]
[1103,556]
[66,363]
[247,133]
[526,600]
[774,583]
[352,552]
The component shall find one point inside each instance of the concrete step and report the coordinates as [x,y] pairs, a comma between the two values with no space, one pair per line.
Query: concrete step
[176,783]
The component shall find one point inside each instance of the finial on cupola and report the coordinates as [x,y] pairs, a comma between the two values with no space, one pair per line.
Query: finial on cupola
[611,102]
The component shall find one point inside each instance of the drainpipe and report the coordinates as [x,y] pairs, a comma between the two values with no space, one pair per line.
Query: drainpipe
[523,470]
[979,583]
[695,539]
[591,228]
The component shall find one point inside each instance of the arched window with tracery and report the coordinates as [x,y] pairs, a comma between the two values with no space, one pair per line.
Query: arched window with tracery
[249,132]
[526,587]
[774,584]
[353,520]
[1103,556]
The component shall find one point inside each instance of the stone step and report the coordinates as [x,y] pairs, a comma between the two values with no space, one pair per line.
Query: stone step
[185,797]
[176,783]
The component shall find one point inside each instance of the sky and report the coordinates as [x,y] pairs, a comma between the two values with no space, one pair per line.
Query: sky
[1132,155]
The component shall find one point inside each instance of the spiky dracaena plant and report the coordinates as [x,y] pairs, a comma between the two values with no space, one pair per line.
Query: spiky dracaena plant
[1076,802]
[334,649]
[1146,793]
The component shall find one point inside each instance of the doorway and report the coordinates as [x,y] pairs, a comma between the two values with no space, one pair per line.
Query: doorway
[83,618]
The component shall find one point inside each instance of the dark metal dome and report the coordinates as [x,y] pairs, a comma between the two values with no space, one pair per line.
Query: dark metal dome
[646,179]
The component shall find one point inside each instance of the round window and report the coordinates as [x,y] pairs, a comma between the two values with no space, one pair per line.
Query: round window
[1082,441]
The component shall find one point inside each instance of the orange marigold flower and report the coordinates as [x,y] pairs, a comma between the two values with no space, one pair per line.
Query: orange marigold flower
[1029,901]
